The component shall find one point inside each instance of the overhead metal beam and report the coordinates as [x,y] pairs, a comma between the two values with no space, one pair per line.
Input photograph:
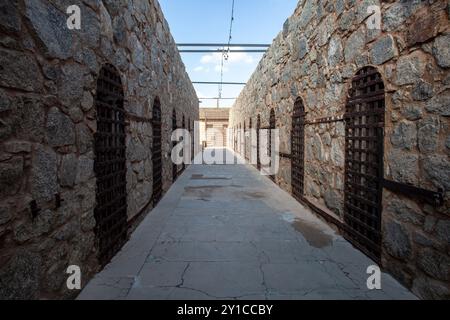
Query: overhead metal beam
[228,83]
[217,98]
[245,45]
[220,51]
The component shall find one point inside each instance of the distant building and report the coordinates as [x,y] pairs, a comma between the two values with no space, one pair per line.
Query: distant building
[214,126]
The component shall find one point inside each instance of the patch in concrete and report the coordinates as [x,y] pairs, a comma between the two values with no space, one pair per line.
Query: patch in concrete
[314,235]
[250,195]
[201,192]
[202,177]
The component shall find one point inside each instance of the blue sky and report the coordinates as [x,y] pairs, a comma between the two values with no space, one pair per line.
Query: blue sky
[208,21]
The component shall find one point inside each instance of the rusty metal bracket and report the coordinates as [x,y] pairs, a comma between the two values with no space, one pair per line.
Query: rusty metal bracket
[325,120]
[35,210]
[431,197]
[58,201]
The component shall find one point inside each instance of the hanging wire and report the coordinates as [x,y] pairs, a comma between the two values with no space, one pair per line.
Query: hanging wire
[225,54]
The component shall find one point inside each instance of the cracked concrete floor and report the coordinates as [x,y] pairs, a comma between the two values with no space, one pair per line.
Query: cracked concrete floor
[226,232]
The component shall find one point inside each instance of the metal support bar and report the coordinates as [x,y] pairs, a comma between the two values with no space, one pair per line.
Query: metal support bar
[242,45]
[35,210]
[433,198]
[222,50]
[217,98]
[228,83]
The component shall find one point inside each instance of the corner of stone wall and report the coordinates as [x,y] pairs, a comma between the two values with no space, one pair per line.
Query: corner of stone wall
[48,122]
[320,49]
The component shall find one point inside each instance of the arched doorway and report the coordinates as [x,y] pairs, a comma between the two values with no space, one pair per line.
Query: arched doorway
[258,128]
[174,127]
[240,138]
[245,140]
[183,126]
[364,149]
[272,126]
[298,149]
[251,145]
[235,138]
[191,131]
[110,165]
[157,151]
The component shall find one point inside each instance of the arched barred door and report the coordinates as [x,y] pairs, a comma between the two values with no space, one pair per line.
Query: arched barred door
[258,129]
[272,126]
[298,149]
[157,151]
[245,140]
[183,126]
[174,127]
[110,165]
[251,145]
[364,149]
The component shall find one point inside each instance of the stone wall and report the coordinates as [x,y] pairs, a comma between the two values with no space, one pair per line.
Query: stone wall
[322,46]
[48,79]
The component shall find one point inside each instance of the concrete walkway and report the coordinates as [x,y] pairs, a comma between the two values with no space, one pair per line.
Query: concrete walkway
[226,232]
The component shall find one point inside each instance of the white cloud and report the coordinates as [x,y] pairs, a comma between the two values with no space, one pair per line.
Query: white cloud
[234,58]
[202,69]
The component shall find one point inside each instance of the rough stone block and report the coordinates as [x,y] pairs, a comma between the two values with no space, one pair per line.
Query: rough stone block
[44,174]
[19,278]
[383,50]
[441,50]
[50,28]
[428,134]
[11,173]
[437,169]
[68,171]
[404,135]
[396,240]
[19,71]
[60,129]
[435,264]
[354,45]
[404,167]
[9,16]
[439,104]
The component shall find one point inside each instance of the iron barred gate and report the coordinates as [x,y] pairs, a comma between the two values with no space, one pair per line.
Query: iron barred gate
[245,140]
[364,149]
[110,165]
[174,127]
[157,152]
[258,129]
[272,126]
[250,127]
[298,149]
[183,126]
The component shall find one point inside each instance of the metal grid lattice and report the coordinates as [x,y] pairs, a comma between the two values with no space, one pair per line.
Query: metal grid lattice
[110,165]
[272,126]
[298,149]
[157,152]
[258,129]
[174,127]
[364,161]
